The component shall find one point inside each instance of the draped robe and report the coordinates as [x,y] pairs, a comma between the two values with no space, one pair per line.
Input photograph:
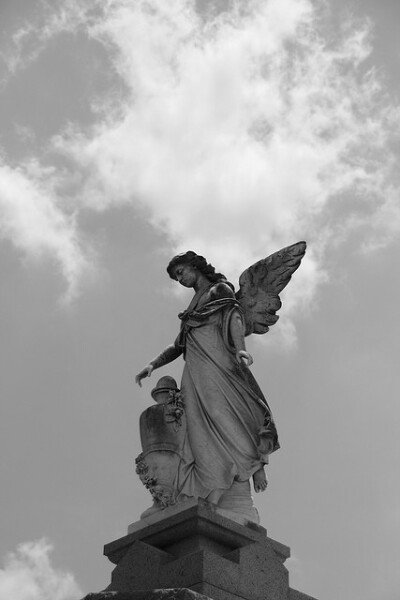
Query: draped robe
[225,408]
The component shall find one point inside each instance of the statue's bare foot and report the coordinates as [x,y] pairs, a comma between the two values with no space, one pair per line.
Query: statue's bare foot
[260,480]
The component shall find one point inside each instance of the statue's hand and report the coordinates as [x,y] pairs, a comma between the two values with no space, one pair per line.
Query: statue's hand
[146,372]
[244,356]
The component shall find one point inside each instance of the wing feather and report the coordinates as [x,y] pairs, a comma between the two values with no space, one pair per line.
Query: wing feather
[261,284]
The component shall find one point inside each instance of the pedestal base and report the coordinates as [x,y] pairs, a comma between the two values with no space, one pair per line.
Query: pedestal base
[160,515]
[197,551]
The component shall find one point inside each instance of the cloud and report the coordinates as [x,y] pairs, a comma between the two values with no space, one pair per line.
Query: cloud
[29,575]
[31,217]
[241,133]
[28,40]
[237,132]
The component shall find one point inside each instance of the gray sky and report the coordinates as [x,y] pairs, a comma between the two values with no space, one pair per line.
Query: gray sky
[133,130]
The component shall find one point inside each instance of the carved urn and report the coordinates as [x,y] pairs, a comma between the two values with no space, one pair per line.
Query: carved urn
[162,435]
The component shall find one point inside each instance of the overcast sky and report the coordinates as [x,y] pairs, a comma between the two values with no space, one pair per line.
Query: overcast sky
[131,130]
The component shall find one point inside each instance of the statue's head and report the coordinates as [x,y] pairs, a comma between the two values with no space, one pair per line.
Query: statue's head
[196,261]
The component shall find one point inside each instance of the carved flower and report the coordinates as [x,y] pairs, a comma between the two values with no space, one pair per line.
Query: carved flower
[149,482]
[174,408]
[163,498]
[141,466]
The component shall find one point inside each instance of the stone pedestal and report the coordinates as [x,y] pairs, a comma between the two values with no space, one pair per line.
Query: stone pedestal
[196,551]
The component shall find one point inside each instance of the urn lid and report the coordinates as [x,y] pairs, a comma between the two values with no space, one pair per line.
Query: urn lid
[165,384]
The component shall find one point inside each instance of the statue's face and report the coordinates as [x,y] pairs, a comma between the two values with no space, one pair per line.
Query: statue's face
[186,275]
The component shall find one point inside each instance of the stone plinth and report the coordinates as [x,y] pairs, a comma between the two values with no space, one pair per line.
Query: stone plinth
[197,551]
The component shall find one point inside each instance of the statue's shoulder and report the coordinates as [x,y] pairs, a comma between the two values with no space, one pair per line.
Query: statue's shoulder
[221,289]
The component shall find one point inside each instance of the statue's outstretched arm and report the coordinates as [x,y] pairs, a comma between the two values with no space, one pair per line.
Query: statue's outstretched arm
[237,330]
[168,355]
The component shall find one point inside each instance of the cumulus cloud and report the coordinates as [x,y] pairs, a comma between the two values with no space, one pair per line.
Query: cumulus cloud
[239,131]
[31,218]
[29,575]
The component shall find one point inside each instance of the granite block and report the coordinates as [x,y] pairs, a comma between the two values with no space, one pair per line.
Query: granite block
[253,572]
[139,569]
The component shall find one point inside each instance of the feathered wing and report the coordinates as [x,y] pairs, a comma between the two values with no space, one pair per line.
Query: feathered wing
[261,284]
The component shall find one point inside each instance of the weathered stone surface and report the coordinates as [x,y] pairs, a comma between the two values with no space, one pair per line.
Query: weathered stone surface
[161,515]
[165,594]
[178,594]
[203,551]
[201,519]
[162,434]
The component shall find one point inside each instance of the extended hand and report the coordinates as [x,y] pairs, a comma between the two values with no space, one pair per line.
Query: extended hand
[244,356]
[146,372]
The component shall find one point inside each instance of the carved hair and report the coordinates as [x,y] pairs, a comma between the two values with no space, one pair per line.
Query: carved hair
[198,262]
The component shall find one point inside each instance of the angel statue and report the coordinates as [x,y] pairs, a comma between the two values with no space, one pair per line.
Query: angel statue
[230,428]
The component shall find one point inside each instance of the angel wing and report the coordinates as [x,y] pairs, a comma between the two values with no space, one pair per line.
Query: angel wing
[261,284]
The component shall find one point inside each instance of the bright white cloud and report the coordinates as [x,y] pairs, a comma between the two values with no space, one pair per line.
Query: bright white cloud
[29,575]
[240,133]
[31,218]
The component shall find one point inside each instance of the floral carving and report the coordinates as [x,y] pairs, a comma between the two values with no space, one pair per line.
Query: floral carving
[161,497]
[141,466]
[174,409]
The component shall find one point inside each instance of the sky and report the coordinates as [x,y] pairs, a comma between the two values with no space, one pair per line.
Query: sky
[131,130]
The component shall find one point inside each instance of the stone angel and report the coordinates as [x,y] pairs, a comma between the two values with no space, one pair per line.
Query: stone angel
[230,428]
